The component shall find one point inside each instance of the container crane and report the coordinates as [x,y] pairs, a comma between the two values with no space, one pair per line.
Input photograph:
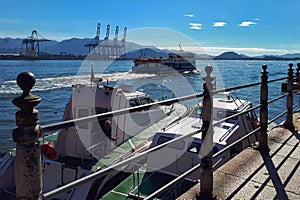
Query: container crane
[96,41]
[107,32]
[32,44]
[123,42]
[116,34]
[115,45]
[124,36]
[97,37]
[107,48]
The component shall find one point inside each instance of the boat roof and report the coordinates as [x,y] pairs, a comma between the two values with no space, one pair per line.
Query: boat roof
[191,124]
[227,102]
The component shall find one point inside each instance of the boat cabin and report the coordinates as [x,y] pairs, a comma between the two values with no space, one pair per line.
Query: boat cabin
[95,138]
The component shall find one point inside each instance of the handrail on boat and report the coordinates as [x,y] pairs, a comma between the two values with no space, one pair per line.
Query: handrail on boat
[228,132]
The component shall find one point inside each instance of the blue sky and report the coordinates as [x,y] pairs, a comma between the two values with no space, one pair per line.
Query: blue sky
[253,27]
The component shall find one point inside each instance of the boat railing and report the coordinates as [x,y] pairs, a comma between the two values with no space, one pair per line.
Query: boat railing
[206,161]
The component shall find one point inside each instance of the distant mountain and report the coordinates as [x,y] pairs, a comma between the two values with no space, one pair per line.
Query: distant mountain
[9,45]
[294,55]
[76,47]
[229,56]
[147,53]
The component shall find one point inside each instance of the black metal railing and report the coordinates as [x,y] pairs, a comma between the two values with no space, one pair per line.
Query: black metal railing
[206,184]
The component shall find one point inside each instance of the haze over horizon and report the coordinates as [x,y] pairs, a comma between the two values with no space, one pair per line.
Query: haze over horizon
[251,28]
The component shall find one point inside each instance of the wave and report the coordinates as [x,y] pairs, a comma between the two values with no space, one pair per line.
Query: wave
[44,84]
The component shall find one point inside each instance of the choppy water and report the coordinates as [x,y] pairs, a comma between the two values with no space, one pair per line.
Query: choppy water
[55,78]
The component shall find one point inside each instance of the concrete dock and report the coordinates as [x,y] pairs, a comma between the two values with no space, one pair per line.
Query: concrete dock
[252,175]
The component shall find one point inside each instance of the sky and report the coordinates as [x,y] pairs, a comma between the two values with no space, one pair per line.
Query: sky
[255,27]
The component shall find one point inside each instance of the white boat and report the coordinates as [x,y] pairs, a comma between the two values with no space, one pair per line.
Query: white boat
[75,152]
[185,154]
[165,164]
[179,62]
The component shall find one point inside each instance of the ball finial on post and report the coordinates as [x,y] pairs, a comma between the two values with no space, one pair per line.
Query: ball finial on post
[27,163]
[26,81]
[26,101]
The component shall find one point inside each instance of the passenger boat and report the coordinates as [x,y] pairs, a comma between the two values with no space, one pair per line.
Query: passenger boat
[78,151]
[180,62]
[167,163]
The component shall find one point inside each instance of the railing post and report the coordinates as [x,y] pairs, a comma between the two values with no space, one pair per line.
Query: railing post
[289,103]
[263,136]
[27,163]
[298,72]
[206,174]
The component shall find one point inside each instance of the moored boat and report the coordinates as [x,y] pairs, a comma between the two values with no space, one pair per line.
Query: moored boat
[78,151]
[166,164]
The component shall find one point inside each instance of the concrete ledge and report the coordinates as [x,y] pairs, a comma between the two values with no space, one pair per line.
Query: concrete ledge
[252,175]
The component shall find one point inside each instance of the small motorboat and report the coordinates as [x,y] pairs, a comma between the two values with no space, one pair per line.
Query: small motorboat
[75,152]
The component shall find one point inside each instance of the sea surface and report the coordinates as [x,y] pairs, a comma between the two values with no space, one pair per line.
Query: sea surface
[54,80]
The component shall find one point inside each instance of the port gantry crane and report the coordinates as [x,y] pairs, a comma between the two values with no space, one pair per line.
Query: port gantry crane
[96,41]
[32,44]
[107,48]
[116,47]
[123,42]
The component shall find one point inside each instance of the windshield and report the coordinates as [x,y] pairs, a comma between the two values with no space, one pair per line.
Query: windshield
[197,112]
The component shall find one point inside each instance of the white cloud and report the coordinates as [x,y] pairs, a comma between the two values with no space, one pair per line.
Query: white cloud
[189,15]
[219,24]
[247,23]
[195,26]
[256,19]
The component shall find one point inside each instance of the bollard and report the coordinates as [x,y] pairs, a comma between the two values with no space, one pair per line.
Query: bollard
[27,163]
[206,174]
[263,136]
[289,101]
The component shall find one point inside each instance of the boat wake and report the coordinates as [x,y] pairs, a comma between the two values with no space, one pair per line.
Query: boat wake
[44,84]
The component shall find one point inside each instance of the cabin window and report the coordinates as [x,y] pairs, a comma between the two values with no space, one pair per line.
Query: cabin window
[145,101]
[251,119]
[175,145]
[215,150]
[197,111]
[83,113]
[194,148]
[134,102]
[228,114]
[221,114]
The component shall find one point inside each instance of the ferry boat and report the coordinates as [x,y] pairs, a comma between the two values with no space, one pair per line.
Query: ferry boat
[176,62]
[167,163]
[75,152]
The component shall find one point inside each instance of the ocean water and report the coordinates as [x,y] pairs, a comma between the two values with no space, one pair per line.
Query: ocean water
[54,80]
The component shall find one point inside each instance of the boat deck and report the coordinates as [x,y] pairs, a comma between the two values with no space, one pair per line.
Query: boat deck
[139,141]
[142,183]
